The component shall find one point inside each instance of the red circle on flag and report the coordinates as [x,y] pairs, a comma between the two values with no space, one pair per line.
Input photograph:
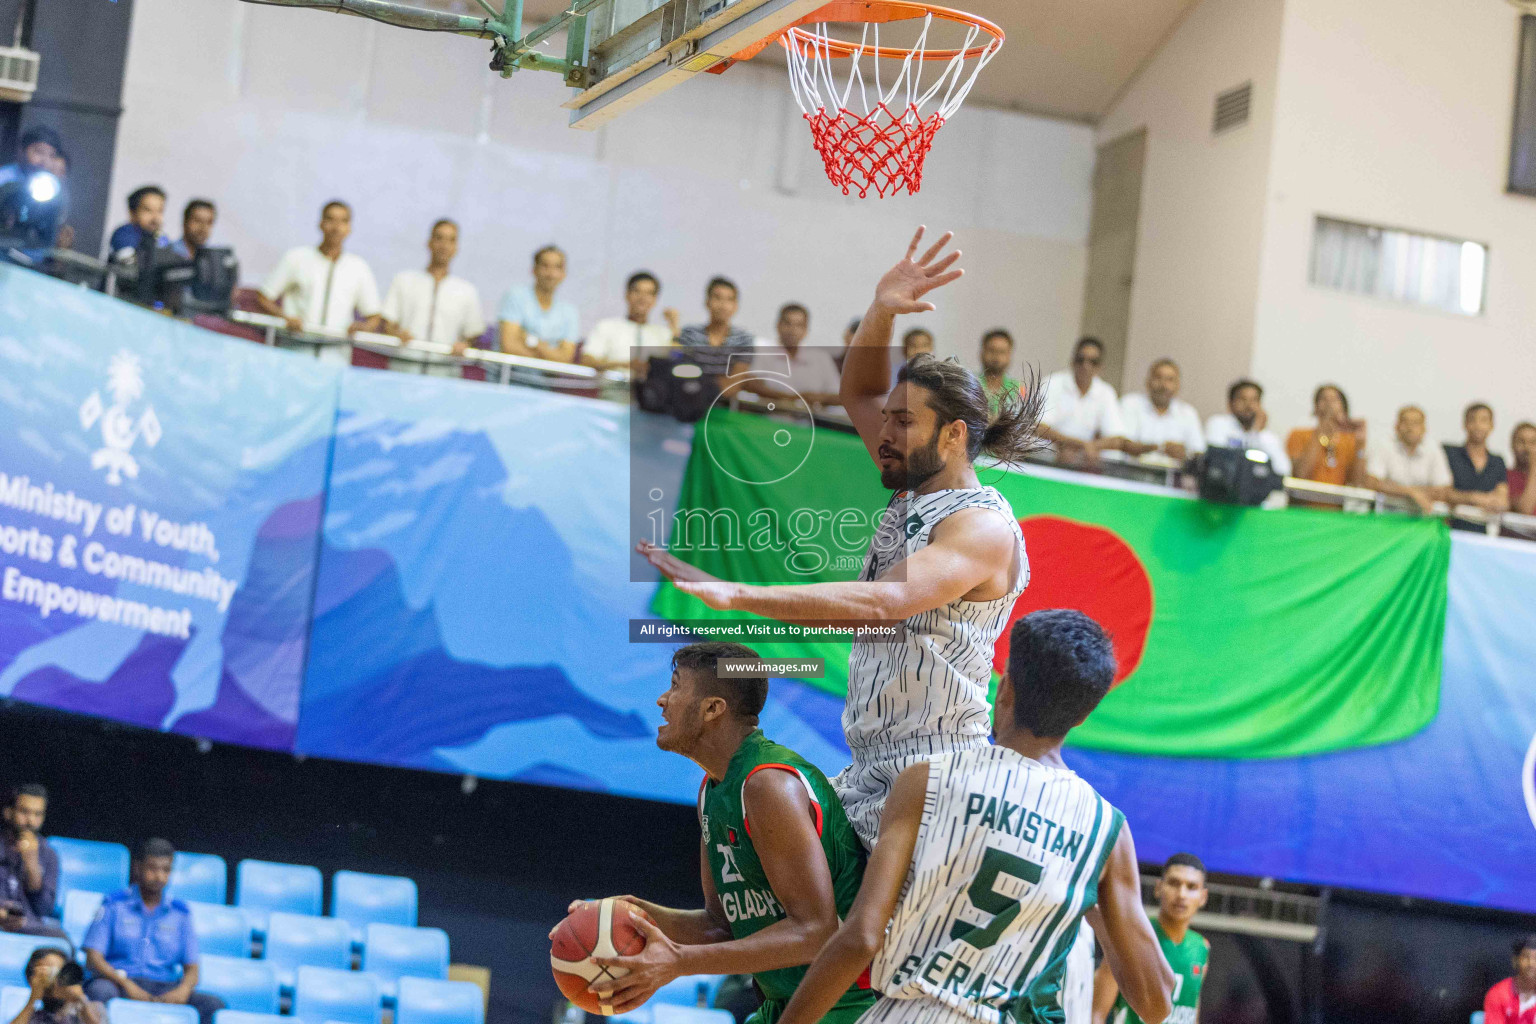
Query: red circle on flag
[1088,568]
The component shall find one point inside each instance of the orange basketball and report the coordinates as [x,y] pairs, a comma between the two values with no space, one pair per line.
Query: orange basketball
[601,929]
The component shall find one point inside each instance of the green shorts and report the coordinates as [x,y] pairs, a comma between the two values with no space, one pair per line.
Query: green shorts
[848,1009]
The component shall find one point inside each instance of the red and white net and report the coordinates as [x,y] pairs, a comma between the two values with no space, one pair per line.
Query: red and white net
[874,122]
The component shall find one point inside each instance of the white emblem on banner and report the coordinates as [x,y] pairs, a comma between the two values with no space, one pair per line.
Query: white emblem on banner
[119,430]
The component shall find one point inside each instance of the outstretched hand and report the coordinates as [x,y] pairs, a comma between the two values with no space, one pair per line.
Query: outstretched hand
[673,568]
[902,288]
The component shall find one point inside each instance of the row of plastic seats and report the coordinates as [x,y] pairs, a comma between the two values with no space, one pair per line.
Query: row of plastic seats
[260,886]
[669,1013]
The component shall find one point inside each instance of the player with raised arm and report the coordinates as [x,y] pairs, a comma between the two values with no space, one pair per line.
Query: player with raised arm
[947,559]
[779,863]
[1181,893]
[988,859]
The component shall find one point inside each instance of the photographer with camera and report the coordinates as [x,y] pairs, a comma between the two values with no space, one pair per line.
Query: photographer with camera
[58,992]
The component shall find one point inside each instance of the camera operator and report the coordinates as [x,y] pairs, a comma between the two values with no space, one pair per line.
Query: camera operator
[58,992]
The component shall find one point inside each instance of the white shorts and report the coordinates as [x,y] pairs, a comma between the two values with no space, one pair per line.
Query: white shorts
[864,784]
[923,1010]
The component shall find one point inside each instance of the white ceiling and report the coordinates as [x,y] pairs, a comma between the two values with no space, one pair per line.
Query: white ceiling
[1063,58]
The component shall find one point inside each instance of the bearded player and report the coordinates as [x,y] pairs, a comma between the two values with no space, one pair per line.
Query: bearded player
[780,863]
[989,859]
[1181,893]
[947,559]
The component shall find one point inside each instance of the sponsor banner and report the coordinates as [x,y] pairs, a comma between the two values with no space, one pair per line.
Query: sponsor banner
[160,495]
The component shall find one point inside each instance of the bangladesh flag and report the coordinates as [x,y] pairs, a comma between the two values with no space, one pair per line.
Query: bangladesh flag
[1240,633]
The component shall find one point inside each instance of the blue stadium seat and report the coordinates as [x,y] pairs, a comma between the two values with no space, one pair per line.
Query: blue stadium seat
[262,886]
[89,865]
[299,940]
[1477,1017]
[427,1001]
[80,908]
[392,952]
[347,997]
[690,990]
[671,1013]
[241,1017]
[12,999]
[203,877]
[243,983]
[126,1011]
[361,900]
[14,950]
[221,930]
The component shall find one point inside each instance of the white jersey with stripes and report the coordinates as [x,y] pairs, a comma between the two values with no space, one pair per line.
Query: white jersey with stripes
[1007,862]
[928,693]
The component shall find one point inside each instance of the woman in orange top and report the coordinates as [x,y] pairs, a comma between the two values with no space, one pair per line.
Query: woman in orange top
[1330,452]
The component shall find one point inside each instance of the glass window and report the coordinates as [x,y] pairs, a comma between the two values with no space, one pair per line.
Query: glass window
[1426,270]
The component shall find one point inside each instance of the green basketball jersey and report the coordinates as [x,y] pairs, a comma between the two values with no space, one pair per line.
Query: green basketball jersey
[1188,960]
[745,894]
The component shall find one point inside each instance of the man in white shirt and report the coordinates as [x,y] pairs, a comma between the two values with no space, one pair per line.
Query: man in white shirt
[432,305]
[323,286]
[1082,412]
[619,341]
[1242,426]
[1158,420]
[811,372]
[1407,466]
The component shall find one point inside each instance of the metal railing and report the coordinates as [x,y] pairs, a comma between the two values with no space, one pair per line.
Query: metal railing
[1250,910]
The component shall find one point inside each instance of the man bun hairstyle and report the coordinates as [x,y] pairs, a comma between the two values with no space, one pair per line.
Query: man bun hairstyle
[955,393]
[1061,664]
[744,695]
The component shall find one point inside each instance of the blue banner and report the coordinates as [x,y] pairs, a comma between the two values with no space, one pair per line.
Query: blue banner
[160,496]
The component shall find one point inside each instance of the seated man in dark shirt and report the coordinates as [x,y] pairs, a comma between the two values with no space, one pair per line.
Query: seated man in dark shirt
[146,218]
[118,951]
[29,869]
[719,347]
[1478,476]
[57,996]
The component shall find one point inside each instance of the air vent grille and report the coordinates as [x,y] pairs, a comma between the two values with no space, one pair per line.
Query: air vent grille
[1232,108]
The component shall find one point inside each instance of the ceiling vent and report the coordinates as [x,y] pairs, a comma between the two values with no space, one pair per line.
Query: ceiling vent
[1232,108]
[18,73]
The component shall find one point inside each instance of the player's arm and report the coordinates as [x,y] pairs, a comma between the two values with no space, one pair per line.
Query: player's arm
[1131,950]
[867,366]
[1105,992]
[851,950]
[966,549]
[785,839]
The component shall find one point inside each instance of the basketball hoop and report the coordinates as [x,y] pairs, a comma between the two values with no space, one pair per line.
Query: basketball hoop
[869,123]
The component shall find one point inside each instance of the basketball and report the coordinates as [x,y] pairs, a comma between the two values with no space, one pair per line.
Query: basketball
[601,928]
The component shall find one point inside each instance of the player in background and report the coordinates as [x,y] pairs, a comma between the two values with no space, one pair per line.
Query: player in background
[989,859]
[1181,893]
[779,862]
[947,559]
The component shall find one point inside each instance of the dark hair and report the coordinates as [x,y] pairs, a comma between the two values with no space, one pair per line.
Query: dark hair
[914,332]
[744,695]
[36,789]
[40,954]
[721,282]
[41,133]
[59,152]
[1523,943]
[141,193]
[1522,425]
[1061,664]
[997,332]
[440,222]
[1239,385]
[1165,361]
[1467,413]
[642,275]
[334,202]
[853,325]
[794,307]
[1095,342]
[545,249]
[198,204]
[1187,860]
[1343,398]
[954,393]
[152,848]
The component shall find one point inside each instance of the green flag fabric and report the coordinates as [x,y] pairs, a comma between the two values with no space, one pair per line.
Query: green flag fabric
[1241,633]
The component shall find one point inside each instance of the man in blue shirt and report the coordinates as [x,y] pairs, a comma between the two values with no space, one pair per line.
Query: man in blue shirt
[141,944]
[196,228]
[146,216]
[533,322]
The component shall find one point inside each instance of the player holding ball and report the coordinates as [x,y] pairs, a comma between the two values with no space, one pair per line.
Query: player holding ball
[780,863]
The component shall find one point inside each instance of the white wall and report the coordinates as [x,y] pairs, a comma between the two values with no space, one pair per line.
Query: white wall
[1397,112]
[1195,287]
[271,112]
